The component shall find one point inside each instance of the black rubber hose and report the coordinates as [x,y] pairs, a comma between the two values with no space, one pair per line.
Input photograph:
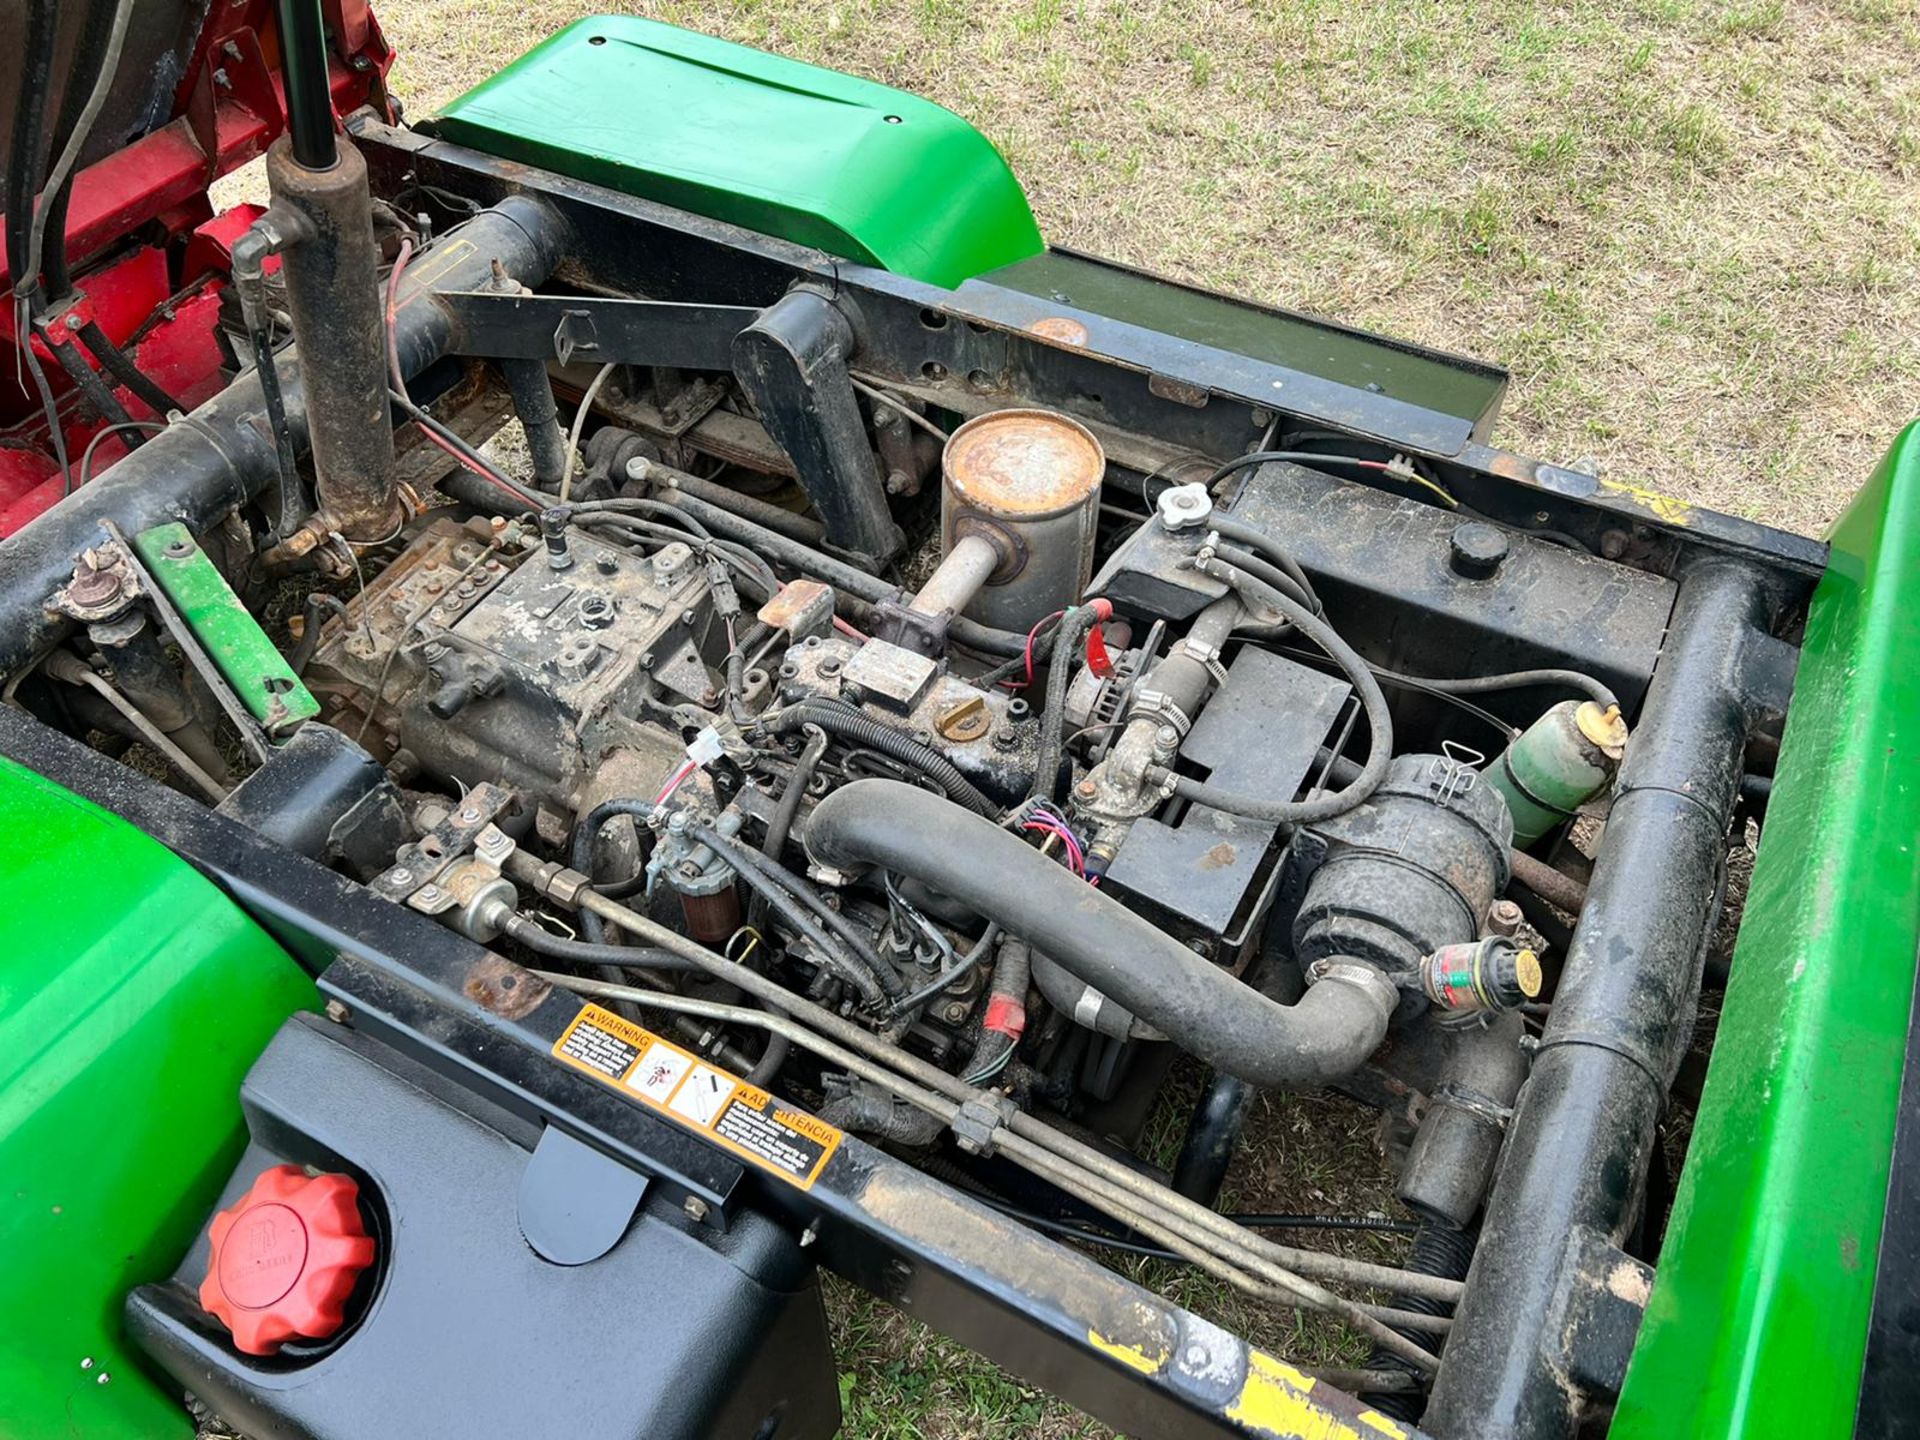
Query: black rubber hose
[619,957]
[29,134]
[1437,1250]
[787,809]
[850,724]
[82,76]
[580,851]
[1257,540]
[1200,1007]
[750,865]
[99,394]
[126,372]
[1068,636]
[1372,700]
[1266,572]
[1512,680]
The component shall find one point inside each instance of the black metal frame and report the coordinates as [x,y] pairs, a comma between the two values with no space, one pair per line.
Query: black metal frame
[1153,399]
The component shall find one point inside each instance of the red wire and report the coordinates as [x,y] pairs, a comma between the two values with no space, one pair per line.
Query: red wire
[1032,635]
[400,259]
[848,630]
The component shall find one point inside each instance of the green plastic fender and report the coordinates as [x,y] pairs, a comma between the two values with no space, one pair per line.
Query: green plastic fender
[133,998]
[1757,1323]
[777,146]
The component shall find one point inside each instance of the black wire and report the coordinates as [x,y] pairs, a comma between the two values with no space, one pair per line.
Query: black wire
[1406,682]
[86,456]
[1089,1235]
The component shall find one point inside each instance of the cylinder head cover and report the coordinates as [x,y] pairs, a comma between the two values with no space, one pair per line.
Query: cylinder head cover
[1029,481]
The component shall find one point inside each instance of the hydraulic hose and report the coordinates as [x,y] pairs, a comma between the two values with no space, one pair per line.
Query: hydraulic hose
[852,725]
[619,957]
[1336,1026]
[1372,700]
[837,573]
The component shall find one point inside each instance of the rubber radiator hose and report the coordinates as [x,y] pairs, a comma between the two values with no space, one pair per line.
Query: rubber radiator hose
[915,833]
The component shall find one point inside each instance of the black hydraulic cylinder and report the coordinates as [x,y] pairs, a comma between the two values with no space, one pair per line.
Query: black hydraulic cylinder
[332,271]
[1577,1150]
[222,454]
[303,71]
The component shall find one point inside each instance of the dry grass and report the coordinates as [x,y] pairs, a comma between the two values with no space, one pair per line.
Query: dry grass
[1691,229]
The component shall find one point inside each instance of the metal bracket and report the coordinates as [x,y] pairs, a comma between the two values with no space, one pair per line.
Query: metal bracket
[501,326]
[415,877]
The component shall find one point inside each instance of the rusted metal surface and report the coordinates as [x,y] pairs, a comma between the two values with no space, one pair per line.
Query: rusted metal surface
[1061,329]
[1023,464]
[504,988]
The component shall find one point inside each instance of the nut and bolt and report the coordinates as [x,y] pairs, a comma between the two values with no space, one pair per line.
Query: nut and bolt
[338,1012]
[954,1011]
[1086,789]
[696,1208]
[400,875]
[1504,918]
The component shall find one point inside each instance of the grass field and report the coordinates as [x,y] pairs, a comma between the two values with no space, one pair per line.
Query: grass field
[1692,231]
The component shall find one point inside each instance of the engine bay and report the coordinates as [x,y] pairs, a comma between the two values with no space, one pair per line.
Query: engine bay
[941,713]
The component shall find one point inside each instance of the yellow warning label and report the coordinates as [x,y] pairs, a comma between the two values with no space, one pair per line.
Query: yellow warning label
[736,1116]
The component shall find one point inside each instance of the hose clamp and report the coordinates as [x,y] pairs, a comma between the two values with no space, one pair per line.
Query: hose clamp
[1362,977]
[1160,705]
[1483,1108]
[1207,655]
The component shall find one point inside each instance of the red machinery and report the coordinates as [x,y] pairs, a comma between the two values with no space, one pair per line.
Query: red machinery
[137,323]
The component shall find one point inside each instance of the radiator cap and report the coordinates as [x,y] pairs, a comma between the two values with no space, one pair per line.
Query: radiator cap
[285,1258]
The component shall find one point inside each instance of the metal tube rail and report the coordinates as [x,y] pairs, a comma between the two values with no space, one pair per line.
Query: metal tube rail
[1578,1146]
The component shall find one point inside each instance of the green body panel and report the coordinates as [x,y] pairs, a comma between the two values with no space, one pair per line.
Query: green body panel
[133,998]
[258,672]
[1449,384]
[1757,1324]
[777,146]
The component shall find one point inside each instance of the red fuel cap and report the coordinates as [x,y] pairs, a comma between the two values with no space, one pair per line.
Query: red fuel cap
[285,1259]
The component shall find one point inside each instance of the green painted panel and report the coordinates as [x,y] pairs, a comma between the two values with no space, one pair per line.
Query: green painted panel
[258,673]
[1450,384]
[133,998]
[1757,1324]
[777,146]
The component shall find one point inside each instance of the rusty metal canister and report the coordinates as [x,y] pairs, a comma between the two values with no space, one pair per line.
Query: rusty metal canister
[1028,481]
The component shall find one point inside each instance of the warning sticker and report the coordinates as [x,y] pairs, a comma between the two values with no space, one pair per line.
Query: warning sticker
[733,1114]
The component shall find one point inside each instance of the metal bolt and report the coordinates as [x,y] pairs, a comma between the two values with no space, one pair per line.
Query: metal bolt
[400,875]
[1167,737]
[955,1011]
[102,1378]
[86,1362]
[338,1012]
[1006,740]
[470,813]
[696,1208]
[1086,789]
[429,893]
[810,1234]
[1503,917]
[1197,1356]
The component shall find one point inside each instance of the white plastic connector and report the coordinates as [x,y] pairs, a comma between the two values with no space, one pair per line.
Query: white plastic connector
[706,747]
